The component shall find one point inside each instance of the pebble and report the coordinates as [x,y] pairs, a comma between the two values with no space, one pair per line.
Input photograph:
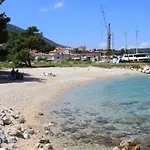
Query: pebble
[44,141]
[48,147]
[15,132]
[115,148]
[3,137]
[7,120]
[1,122]
[12,139]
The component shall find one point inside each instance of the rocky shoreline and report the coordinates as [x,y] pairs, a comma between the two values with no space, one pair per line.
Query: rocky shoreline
[13,129]
[22,123]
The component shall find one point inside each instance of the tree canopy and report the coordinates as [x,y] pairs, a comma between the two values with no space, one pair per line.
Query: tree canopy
[3,33]
[20,44]
[3,27]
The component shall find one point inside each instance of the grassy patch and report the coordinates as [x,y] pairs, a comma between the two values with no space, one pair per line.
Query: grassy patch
[80,64]
[6,65]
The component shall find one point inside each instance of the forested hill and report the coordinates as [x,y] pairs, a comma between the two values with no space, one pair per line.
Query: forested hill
[11,27]
[140,50]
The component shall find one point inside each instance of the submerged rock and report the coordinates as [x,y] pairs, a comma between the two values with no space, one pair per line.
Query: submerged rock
[70,129]
[101,120]
[109,128]
[130,144]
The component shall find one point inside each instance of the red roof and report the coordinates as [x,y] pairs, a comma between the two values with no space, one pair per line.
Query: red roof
[87,54]
[91,54]
[34,52]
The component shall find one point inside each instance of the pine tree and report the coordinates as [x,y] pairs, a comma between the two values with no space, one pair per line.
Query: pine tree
[3,26]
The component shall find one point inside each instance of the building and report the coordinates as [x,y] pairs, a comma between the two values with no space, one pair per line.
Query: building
[82,48]
[59,57]
[91,56]
[38,55]
[62,54]
[61,50]
[87,57]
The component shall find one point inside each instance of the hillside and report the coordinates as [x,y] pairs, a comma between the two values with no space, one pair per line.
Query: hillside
[140,50]
[11,27]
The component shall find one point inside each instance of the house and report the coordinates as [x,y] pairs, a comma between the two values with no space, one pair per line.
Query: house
[91,57]
[61,50]
[76,56]
[62,54]
[58,50]
[38,55]
[82,48]
[59,57]
[87,57]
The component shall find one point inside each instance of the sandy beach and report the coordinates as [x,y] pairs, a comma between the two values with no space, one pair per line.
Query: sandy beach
[32,94]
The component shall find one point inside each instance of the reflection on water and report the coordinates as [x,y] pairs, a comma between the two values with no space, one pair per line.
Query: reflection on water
[105,112]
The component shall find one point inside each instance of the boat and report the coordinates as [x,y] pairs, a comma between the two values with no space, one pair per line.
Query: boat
[138,57]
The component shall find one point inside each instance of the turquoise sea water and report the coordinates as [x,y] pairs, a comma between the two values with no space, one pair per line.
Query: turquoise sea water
[118,108]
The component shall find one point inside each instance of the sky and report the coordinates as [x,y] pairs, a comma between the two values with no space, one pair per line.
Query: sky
[80,22]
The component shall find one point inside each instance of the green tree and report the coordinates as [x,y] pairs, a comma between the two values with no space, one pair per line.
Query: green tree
[122,51]
[3,33]
[20,44]
[112,52]
[46,47]
[3,27]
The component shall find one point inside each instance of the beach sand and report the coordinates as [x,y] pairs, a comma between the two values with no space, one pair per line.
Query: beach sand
[31,95]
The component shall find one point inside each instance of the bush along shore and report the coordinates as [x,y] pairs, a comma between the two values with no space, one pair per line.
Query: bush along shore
[79,64]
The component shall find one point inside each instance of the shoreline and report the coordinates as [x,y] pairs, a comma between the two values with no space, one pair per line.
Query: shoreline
[49,89]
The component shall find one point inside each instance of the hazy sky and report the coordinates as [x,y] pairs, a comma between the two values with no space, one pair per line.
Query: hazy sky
[80,22]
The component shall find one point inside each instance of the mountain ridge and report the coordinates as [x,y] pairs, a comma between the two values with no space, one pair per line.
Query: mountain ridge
[11,27]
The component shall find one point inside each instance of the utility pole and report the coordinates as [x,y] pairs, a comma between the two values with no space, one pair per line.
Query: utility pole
[102,34]
[112,41]
[136,37]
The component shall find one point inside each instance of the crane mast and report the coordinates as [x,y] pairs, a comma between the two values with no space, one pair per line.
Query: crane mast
[107,26]
[103,13]
[108,38]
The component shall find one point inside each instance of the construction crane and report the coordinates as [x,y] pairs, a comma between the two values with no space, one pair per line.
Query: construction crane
[107,26]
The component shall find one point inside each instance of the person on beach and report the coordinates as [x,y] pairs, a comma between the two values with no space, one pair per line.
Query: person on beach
[13,73]
[49,74]
[17,72]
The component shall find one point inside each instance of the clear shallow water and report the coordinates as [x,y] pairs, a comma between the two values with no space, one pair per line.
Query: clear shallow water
[118,108]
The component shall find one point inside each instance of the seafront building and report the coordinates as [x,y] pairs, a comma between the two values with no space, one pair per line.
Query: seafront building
[62,54]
